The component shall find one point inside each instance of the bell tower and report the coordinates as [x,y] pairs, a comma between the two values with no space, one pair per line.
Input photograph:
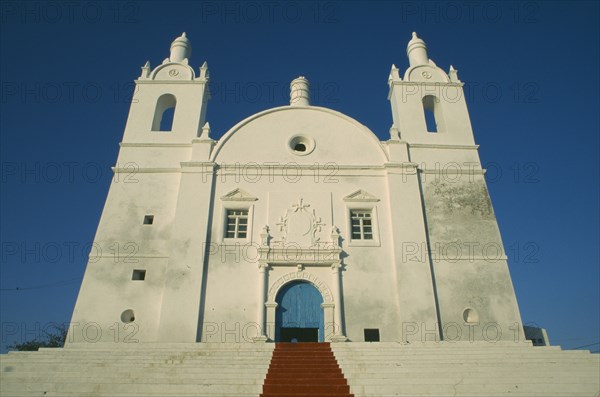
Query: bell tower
[158,194]
[169,102]
[428,105]
[432,132]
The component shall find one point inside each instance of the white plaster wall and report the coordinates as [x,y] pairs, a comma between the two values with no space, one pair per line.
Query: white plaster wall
[482,285]
[107,290]
[369,292]
[371,281]
[264,138]
[129,200]
[186,273]
[134,159]
[469,258]
[123,243]
[445,157]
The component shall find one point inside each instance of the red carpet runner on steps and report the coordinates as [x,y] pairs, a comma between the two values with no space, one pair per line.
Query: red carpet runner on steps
[304,369]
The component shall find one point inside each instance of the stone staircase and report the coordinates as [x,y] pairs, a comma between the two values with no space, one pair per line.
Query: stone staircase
[137,369]
[467,369]
[304,369]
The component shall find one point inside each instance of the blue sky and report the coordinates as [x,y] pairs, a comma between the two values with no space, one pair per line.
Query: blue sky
[531,70]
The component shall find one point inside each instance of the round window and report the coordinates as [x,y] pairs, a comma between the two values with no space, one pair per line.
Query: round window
[301,145]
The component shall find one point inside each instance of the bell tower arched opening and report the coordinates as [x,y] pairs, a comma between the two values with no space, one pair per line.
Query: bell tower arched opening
[164,115]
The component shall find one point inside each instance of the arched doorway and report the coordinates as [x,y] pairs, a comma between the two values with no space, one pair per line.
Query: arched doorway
[299,314]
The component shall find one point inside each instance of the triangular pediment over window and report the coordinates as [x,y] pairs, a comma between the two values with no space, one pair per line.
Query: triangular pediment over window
[361,196]
[238,195]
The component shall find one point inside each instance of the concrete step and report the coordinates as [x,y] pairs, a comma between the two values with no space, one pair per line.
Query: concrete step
[161,370]
[116,361]
[474,380]
[198,393]
[143,354]
[140,388]
[463,362]
[123,378]
[149,346]
[536,373]
[155,377]
[440,345]
[398,370]
[482,389]
[102,363]
[479,352]
[151,371]
[140,352]
[234,370]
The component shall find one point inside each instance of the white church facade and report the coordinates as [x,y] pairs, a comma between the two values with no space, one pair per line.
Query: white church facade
[298,223]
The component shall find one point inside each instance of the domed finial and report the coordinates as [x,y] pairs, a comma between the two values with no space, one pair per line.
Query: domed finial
[181,48]
[299,92]
[417,51]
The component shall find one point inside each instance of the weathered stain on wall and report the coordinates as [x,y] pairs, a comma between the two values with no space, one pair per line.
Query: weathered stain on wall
[461,212]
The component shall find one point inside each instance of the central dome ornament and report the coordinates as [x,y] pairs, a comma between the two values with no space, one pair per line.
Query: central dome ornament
[300,92]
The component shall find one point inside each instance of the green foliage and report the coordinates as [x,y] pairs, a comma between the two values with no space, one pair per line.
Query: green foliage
[54,338]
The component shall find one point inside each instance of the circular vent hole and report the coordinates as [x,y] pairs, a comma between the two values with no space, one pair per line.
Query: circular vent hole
[127,316]
[300,147]
[470,316]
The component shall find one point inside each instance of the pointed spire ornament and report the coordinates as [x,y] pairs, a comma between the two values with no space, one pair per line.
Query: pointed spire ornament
[394,74]
[453,75]
[205,131]
[145,70]
[204,71]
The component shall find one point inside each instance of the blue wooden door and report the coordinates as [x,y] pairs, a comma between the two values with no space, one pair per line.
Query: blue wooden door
[299,306]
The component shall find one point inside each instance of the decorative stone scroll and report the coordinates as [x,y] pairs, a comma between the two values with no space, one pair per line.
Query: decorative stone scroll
[299,225]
